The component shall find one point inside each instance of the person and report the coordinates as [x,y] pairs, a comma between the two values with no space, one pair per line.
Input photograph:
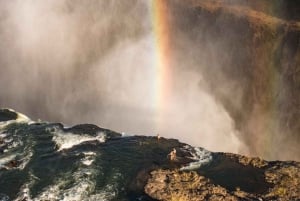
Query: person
[172,155]
[158,137]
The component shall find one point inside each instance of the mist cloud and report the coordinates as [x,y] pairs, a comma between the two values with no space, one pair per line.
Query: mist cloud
[92,61]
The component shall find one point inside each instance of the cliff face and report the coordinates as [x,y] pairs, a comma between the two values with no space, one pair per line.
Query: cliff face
[250,57]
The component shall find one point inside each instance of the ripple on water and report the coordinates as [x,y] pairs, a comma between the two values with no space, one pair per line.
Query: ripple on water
[68,140]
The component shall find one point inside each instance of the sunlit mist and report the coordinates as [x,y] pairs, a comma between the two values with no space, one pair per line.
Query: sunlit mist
[98,62]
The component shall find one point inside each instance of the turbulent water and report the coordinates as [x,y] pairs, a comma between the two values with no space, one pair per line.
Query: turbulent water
[47,161]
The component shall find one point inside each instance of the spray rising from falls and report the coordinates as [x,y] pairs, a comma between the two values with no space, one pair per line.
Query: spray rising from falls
[92,66]
[136,67]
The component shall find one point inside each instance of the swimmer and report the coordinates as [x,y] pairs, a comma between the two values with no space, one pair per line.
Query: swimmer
[158,137]
[172,155]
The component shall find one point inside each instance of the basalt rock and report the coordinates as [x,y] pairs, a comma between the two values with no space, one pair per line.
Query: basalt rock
[229,177]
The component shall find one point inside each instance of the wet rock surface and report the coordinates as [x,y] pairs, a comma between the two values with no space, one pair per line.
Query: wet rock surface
[228,177]
[47,161]
[6,115]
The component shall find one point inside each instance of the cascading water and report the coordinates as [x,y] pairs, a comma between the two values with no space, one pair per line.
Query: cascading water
[46,161]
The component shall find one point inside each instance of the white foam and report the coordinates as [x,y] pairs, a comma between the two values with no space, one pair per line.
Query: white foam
[3,135]
[6,159]
[77,192]
[84,184]
[200,155]
[83,188]
[89,153]
[108,193]
[21,118]
[10,157]
[13,151]
[8,140]
[15,143]
[89,158]
[24,193]
[25,159]
[68,140]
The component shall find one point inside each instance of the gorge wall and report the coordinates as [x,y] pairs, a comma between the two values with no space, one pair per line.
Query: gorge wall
[249,55]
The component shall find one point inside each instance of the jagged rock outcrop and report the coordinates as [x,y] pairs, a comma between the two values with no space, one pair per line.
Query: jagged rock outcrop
[176,185]
[219,181]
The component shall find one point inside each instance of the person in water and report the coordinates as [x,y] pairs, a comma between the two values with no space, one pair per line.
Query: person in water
[172,155]
[158,137]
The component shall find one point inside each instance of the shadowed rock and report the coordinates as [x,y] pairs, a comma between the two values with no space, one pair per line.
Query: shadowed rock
[6,115]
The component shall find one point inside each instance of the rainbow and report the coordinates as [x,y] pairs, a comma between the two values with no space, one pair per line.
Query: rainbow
[162,65]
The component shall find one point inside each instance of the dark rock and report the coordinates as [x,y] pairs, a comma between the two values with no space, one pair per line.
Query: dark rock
[6,115]
[12,164]
[91,129]
[229,177]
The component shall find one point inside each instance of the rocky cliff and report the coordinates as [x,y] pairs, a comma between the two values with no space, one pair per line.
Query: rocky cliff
[249,55]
